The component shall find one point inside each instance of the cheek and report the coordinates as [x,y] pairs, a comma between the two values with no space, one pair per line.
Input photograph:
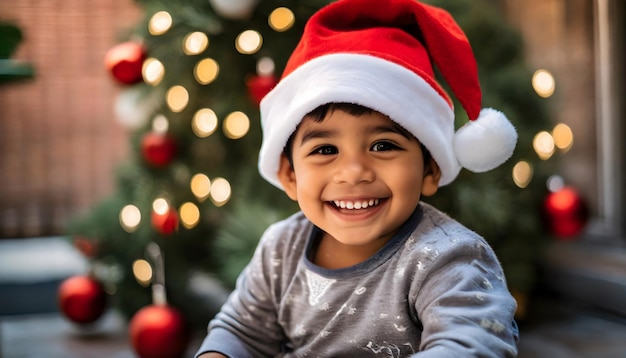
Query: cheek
[408,180]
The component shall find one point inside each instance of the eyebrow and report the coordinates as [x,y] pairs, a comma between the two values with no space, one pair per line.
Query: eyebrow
[393,128]
[310,134]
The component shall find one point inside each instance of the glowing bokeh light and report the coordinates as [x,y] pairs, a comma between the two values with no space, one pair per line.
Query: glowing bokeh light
[563,137]
[543,143]
[236,125]
[204,122]
[189,215]
[160,206]
[281,19]
[152,71]
[160,23]
[555,183]
[522,174]
[130,218]
[220,191]
[200,186]
[195,42]
[206,71]
[177,98]
[248,42]
[142,272]
[543,83]
[160,124]
[265,66]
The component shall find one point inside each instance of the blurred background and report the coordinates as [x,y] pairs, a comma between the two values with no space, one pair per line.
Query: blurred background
[129,194]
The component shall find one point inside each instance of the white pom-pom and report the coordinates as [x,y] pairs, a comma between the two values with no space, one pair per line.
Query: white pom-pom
[485,143]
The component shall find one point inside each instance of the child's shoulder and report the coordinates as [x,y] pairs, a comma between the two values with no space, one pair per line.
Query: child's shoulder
[294,223]
[292,229]
[438,219]
[439,228]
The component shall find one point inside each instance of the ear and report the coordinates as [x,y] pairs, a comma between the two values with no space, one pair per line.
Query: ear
[430,183]
[287,177]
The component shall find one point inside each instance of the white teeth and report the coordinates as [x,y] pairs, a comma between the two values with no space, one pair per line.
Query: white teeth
[356,204]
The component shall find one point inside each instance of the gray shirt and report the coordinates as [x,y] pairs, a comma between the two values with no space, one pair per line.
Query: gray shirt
[436,289]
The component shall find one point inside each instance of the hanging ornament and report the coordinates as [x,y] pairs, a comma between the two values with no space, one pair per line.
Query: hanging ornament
[259,86]
[81,299]
[233,9]
[158,330]
[566,213]
[158,149]
[125,61]
[165,223]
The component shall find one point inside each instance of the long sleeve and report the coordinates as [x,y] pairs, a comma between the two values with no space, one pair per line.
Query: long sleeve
[247,325]
[462,301]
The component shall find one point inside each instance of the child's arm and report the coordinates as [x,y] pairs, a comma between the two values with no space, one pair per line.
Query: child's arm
[247,325]
[465,306]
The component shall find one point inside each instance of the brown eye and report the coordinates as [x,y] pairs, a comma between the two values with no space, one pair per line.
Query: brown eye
[325,150]
[383,146]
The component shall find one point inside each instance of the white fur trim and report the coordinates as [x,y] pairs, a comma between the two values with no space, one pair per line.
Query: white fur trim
[361,79]
[485,143]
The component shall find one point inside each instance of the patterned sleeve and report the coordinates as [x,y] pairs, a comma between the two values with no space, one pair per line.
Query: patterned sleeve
[463,303]
[247,325]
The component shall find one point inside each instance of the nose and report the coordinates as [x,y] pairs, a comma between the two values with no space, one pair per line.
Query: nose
[353,169]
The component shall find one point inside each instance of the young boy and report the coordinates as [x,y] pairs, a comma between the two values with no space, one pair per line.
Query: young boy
[356,132]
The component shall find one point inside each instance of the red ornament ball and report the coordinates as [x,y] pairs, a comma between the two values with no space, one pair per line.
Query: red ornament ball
[566,213]
[165,223]
[81,299]
[158,331]
[259,86]
[158,149]
[124,61]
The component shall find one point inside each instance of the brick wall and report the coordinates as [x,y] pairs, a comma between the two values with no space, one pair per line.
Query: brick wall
[59,139]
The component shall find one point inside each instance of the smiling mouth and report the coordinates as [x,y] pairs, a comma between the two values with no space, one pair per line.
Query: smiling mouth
[356,204]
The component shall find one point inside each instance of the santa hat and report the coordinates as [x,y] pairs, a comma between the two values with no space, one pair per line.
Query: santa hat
[378,54]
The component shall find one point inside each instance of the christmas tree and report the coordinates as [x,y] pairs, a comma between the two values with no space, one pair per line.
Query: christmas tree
[193,74]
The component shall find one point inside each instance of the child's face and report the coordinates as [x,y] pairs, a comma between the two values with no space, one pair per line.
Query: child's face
[358,178]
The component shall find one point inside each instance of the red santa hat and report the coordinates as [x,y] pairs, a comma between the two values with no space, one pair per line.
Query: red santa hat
[378,54]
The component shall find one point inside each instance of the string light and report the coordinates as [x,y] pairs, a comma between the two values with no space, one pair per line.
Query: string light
[543,143]
[555,183]
[130,218]
[522,174]
[543,83]
[204,122]
[152,71]
[195,42]
[206,71]
[160,206]
[248,42]
[142,272]
[236,125]
[177,98]
[189,215]
[200,186]
[563,137]
[160,23]
[160,124]
[281,19]
[265,66]
[220,191]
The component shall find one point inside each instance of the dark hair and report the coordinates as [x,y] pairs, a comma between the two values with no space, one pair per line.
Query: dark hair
[319,113]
